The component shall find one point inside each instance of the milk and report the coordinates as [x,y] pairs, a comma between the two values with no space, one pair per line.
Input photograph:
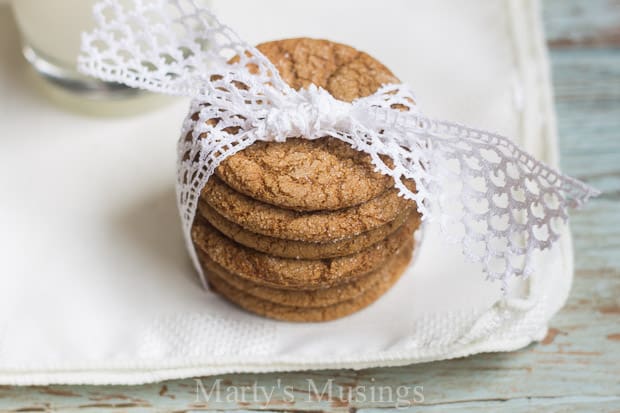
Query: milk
[53,27]
[51,35]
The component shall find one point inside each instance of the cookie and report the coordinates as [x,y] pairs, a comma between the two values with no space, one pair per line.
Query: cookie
[321,174]
[318,226]
[386,277]
[288,273]
[299,249]
[303,298]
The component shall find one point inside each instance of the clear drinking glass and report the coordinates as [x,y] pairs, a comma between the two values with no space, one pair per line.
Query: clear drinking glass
[51,32]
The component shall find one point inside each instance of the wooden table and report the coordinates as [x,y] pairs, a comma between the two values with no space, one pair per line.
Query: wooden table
[575,368]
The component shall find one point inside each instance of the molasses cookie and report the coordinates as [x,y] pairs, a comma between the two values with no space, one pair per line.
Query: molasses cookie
[304,298]
[389,274]
[289,273]
[321,174]
[300,249]
[317,226]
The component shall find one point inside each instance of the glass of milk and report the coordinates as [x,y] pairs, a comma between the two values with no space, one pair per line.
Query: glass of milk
[51,35]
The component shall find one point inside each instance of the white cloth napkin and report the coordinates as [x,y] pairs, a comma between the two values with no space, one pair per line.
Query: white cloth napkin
[95,283]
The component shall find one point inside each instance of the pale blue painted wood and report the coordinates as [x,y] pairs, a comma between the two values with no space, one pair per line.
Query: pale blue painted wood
[571,23]
[575,369]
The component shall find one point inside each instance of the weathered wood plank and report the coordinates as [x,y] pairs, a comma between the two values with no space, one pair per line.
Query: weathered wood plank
[582,23]
[587,96]
[528,405]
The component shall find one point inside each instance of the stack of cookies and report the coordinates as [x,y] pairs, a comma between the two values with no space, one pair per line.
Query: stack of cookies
[306,230]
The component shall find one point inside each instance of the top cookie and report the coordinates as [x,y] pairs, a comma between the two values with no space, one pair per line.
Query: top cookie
[322,174]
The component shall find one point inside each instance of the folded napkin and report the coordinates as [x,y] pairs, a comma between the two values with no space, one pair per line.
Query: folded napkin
[95,283]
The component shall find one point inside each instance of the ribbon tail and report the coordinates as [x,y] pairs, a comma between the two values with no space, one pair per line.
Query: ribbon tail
[199,153]
[168,46]
[488,195]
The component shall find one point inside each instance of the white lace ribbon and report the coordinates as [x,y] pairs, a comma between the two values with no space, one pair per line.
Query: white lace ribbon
[499,203]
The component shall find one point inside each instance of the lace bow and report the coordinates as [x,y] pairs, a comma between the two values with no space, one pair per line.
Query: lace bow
[494,199]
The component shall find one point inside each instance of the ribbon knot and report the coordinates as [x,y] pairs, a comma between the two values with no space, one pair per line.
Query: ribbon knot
[309,113]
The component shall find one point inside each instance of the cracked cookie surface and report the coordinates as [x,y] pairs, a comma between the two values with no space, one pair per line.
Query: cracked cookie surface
[300,249]
[320,174]
[291,273]
[386,277]
[306,298]
[317,226]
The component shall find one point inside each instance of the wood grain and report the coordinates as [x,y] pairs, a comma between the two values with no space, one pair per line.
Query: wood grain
[575,23]
[575,368]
